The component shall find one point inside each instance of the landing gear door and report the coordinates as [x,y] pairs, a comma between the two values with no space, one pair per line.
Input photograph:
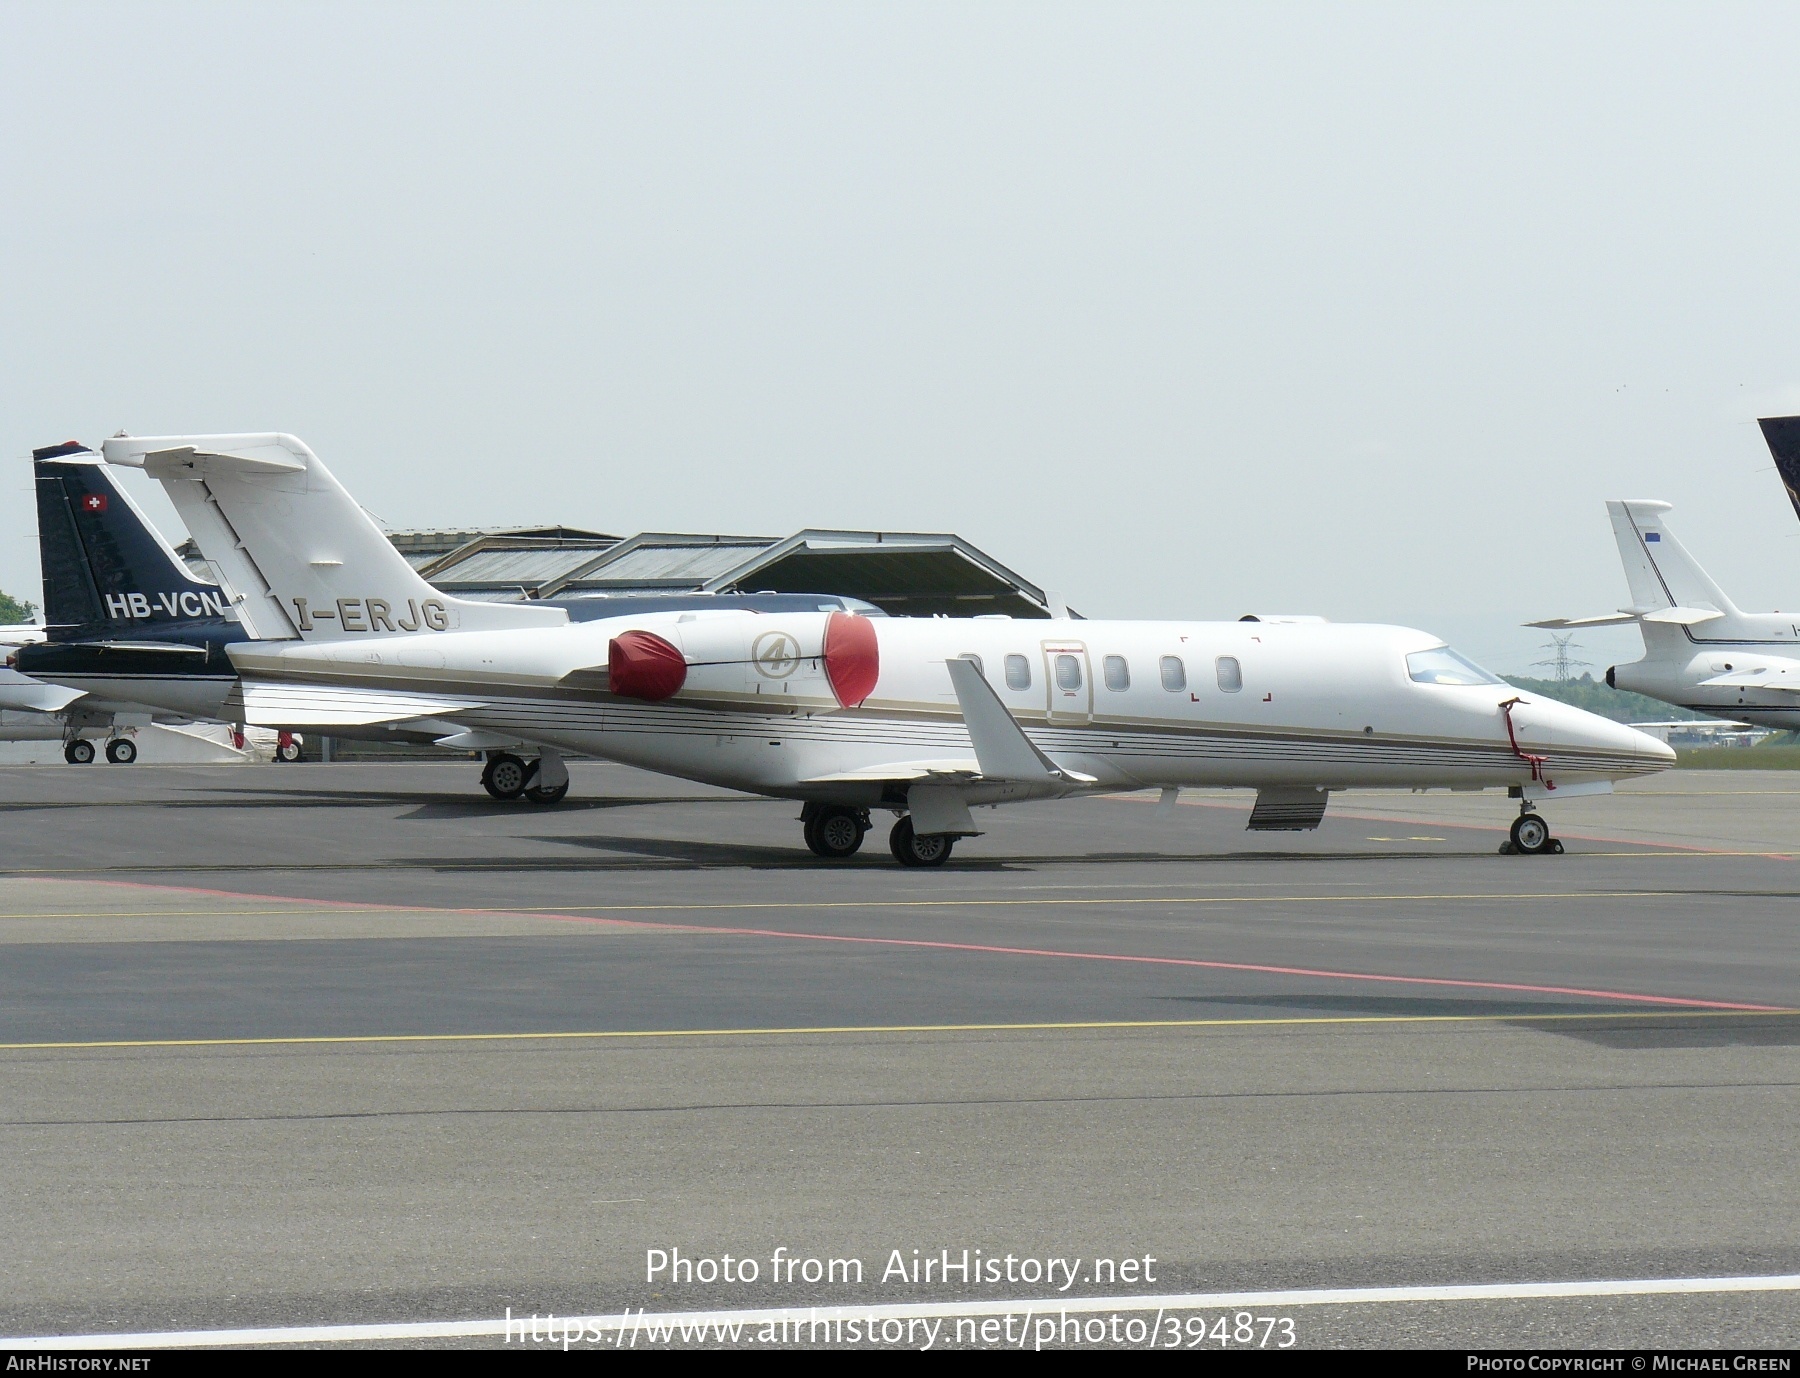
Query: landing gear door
[1068,683]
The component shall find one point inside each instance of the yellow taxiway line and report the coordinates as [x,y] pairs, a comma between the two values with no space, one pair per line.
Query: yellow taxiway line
[602,1034]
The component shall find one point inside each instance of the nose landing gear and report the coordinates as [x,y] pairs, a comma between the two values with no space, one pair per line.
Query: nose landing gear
[1530,836]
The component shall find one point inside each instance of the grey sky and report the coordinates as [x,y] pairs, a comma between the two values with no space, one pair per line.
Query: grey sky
[1184,310]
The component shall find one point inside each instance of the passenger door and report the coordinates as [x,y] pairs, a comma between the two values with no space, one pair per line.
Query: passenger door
[1068,682]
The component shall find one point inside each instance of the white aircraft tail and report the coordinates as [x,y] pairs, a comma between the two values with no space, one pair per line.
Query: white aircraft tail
[1662,575]
[1668,589]
[297,555]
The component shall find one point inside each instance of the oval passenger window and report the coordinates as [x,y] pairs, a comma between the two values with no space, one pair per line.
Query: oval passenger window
[1231,674]
[1068,673]
[1174,674]
[1018,672]
[1118,674]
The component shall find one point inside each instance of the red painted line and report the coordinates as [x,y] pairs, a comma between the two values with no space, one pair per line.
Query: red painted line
[1631,996]
[1321,974]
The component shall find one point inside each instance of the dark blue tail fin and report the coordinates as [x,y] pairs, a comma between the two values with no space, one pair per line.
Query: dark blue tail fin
[106,571]
[1783,436]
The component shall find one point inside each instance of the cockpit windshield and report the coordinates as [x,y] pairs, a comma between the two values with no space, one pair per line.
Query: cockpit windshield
[1441,665]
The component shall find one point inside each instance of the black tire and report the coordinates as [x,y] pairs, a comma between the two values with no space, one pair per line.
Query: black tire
[121,751]
[288,753]
[504,776]
[1531,835]
[910,849]
[79,752]
[547,794]
[836,832]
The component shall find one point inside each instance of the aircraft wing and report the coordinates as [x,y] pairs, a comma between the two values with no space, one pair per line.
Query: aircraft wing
[1771,672]
[1001,746]
[330,705]
[1681,617]
[959,771]
[21,691]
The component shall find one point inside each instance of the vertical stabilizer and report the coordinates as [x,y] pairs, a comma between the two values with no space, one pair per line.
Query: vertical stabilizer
[107,571]
[1658,567]
[1782,435]
[298,555]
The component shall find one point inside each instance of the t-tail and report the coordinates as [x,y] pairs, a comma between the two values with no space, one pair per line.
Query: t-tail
[108,573]
[1672,598]
[297,555]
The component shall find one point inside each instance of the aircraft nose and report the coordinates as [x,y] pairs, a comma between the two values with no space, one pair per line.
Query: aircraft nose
[1612,749]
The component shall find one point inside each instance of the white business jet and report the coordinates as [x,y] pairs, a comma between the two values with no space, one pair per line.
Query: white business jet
[1700,651]
[928,718]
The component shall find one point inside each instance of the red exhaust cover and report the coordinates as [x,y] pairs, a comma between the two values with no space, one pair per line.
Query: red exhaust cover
[852,657]
[641,665]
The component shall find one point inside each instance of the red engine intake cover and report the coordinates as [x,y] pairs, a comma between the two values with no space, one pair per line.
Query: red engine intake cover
[641,665]
[852,657]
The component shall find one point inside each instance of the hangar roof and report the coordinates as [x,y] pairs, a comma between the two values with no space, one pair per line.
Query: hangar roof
[905,573]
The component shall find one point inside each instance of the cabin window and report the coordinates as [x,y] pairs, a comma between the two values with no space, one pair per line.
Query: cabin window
[1118,674]
[1174,674]
[1231,674]
[1068,673]
[1441,665]
[1018,672]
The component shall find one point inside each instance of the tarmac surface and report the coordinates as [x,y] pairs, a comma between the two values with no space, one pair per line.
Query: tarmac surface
[352,1044]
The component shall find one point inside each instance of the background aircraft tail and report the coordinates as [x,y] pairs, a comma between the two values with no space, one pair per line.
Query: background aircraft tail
[107,572]
[1662,575]
[291,546]
[1782,434]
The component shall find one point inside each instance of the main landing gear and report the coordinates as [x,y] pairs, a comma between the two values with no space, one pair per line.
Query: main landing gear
[506,777]
[121,751]
[1530,836]
[913,849]
[834,831]
[78,751]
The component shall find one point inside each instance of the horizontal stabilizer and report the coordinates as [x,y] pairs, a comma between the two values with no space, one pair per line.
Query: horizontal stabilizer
[1681,617]
[329,705]
[1611,619]
[159,459]
[175,648]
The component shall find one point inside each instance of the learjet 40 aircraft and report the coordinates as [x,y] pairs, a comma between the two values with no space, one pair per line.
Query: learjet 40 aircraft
[928,718]
[1700,651]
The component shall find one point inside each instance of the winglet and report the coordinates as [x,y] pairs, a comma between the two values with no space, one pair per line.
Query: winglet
[1001,746]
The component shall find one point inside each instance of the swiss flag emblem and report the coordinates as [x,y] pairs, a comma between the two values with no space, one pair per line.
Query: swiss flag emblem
[94,502]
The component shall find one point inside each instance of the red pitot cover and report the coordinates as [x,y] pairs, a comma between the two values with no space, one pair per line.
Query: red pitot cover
[641,665]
